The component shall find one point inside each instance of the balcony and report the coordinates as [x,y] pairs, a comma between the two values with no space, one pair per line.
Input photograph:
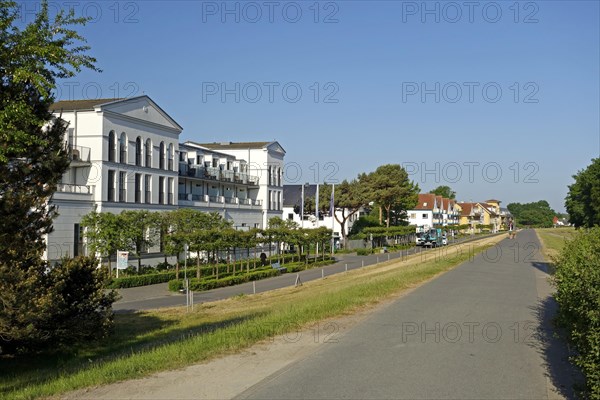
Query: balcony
[215,174]
[79,155]
[201,200]
[78,189]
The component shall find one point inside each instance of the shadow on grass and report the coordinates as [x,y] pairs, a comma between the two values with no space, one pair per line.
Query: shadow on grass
[133,333]
[550,342]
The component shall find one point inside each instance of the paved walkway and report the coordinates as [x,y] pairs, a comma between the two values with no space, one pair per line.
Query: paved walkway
[158,296]
[480,331]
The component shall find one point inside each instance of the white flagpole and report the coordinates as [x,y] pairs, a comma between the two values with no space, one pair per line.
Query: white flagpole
[317,205]
[317,216]
[332,206]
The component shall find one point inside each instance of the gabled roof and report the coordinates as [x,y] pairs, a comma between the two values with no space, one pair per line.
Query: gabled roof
[90,105]
[466,208]
[80,105]
[425,202]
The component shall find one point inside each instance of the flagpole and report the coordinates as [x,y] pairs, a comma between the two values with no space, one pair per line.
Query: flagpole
[332,208]
[317,215]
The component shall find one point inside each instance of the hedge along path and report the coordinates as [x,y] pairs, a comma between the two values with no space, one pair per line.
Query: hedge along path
[258,317]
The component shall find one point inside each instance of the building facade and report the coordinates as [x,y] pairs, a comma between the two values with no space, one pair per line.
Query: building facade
[125,155]
[433,211]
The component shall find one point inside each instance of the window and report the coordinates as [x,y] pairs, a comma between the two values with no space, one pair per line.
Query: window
[269,178]
[290,216]
[270,197]
[161,156]
[138,188]
[122,187]
[77,240]
[138,151]
[413,216]
[278,200]
[111,186]
[170,152]
[149,153]
[161,190]
[111,146]
[147,186]
[170,190]
[123,148]
[424,216]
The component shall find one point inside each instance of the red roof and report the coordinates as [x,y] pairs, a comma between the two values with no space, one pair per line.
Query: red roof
[425,202]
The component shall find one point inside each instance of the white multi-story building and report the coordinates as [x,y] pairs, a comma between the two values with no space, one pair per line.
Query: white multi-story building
[432,211]
[125,154]
[263,162]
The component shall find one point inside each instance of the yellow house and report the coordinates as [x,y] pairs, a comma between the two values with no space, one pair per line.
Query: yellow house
[481,213]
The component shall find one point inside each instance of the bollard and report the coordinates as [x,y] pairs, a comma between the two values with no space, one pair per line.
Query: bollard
[388,256]
[377,259]
[363,263]
[322,274]
[253,287]
[346,267]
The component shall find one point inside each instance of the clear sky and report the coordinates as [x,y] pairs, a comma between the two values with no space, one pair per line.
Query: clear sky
[495,99]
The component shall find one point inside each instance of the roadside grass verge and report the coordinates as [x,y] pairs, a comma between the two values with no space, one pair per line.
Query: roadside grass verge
[166,339]
[553,240]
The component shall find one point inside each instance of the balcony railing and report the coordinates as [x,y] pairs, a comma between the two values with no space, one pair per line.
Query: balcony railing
[79,153]
[211,173]
[218,199]
[79,189]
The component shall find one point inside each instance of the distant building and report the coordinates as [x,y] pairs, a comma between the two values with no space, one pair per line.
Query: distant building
[433,211]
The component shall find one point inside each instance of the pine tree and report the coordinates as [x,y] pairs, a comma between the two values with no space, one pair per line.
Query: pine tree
[33,158]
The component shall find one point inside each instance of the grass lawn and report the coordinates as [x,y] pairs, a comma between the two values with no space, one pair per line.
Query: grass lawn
[147,342]
[553,240]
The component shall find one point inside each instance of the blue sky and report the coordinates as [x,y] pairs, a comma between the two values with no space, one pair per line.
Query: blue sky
[500,100]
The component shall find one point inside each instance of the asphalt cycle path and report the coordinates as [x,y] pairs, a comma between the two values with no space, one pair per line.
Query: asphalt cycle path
[480,331]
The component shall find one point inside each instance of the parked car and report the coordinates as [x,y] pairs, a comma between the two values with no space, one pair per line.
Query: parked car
[420,239]
[444,240]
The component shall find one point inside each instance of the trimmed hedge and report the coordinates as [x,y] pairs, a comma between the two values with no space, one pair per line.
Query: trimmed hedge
[198,285]
[577,280]
[140,280]
[162,277]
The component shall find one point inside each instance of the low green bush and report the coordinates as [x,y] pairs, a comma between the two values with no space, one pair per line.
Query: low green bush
[577,281]
[140,280]
[364,252]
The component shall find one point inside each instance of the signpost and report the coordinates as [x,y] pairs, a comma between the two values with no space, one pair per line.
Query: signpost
[122,260]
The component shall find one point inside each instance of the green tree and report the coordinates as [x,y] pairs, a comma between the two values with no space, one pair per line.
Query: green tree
[349,197]
[390,187]
[537,213]
[583,200]
[140,230]
[103,235]
[444,191]
[33,158]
